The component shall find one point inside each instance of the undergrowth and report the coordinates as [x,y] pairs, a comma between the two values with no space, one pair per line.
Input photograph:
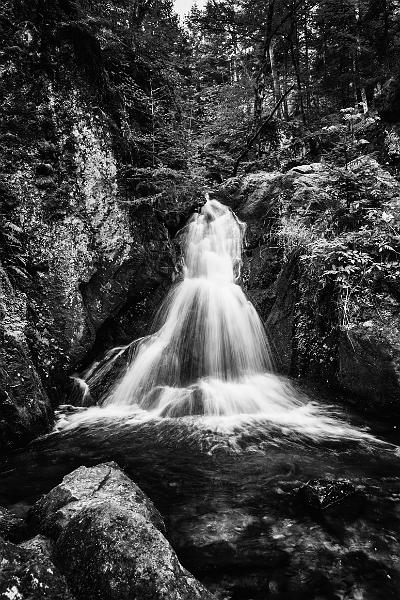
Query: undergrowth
[348,237]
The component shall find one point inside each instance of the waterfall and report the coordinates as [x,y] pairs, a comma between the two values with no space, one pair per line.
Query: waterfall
[210,354]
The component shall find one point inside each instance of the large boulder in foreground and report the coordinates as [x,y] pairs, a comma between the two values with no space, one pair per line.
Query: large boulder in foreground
[109,541]
[110,551]
[53,512]
[27,572]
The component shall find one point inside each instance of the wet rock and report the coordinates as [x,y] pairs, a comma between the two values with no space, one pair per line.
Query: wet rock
[280,322]
[27,572]
[109,540]
[108,550]
[24,405]
[102,377]
[370,365]
[12,528]
[77,393]
[44,170]
[104,482]
[227,539]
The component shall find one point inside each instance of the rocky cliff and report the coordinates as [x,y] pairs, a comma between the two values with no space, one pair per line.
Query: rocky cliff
[322,268]
[85,227]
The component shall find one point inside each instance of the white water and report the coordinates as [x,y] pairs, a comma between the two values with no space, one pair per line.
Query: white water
[210,355]
[211,343]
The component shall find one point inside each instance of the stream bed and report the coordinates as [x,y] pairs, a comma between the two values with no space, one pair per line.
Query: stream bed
[252,509]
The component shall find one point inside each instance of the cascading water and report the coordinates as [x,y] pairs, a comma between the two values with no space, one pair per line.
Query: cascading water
[211,348]
[210,354]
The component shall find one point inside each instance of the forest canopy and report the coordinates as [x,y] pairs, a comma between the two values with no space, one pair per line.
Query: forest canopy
[249,80]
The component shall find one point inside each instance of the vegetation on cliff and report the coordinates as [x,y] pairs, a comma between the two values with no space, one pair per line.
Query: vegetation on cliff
[299,102]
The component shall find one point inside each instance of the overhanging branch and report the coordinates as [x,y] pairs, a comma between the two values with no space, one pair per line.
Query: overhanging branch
[251,141]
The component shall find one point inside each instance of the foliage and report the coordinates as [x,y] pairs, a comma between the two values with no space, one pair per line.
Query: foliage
[350,255]
[336,57]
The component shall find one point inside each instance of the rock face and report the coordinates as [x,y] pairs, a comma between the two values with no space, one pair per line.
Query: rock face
[84,229]
[24,405]
[321,267]
[28,573]
[109,541]
[93,259]
[369,365]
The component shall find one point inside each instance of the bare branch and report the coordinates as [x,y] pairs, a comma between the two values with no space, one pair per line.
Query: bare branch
[251,141]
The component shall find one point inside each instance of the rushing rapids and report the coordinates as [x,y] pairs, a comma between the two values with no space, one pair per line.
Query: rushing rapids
[209,353]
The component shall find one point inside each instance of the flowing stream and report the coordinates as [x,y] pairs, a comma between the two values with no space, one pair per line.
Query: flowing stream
[224,447]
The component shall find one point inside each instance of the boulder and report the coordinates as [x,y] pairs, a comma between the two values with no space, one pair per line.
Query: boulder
[104,482]
[108,550]
[28,573]
[109,539]
[370,366]
[324,494]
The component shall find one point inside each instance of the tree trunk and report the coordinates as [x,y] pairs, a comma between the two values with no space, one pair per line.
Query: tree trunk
[253,138]
[298,79]
[364,100]
[233,69]
[307,59]
[285,87]
[274,73]
[259,86]
[153,136]
[259,92]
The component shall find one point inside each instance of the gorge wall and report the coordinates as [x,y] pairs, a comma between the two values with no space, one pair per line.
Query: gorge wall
[86,247]
[322,268]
